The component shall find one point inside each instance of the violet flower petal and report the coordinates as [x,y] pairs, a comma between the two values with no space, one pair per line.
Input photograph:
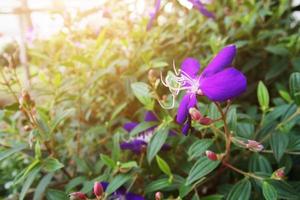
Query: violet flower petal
[181,112]
[132,196]
[130,126]
[191,66]
[134,145]
[153,14]
[186,127]
[222,60]
[189,100]
[224,85]
[149,117]
[201,8]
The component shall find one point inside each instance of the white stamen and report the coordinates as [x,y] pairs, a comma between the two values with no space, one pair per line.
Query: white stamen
[178,81]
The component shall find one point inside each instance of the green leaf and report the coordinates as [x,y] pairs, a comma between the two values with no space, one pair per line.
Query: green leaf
[142,92]
[259,163]
[263,96]
[240,191]
[41,187]
[116,151]
[59,118]
[24,173]
[157,141]
[213,197]
[56,194]
[107,161]
[198,148]
[117,182]
[37,150]
[163,165]
[158,185]
[51,164]
[185,190]
[269,191]
[118,110]
[163,184]
[278,50]
[200,169]
[295,87]
[74,182]
[279,143]
[284,190]
[142,127]
[30,178]
[6,153]
[129,165]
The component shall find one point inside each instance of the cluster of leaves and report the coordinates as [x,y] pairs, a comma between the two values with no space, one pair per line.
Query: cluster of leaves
[85,86]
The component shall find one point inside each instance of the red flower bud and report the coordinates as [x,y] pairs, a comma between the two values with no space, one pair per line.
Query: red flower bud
[279,174]
[195,114]
[211,155]
[158,196]
[77,196]
[205,121]
[98,189]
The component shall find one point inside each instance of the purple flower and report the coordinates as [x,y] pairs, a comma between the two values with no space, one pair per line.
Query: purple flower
[219,82]
[121,193]
[137,143]
[153,14]
[198,4]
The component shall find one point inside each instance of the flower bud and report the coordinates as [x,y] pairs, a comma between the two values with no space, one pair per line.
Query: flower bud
[211,155]
[98,189]
[153,75]
[158,196]
[279,174]
[195,114]
[27,128]
[254,145]
[205,121]
[77,196]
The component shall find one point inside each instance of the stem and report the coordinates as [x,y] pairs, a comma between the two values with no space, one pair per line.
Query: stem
[287,152]
[226,131]
[6,83]
[136,175]
[288,119]
[247,174]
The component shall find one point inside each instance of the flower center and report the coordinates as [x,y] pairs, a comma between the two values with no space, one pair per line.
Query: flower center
[178,81]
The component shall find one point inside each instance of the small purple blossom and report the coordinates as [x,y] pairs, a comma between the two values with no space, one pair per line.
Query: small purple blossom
[121,193]
[139,142]
[219,81]
[153,14]
[199,5]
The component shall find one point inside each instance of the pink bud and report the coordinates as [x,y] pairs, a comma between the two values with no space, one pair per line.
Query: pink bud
[158,196]
[254,145]
[279,174]
[205,121]
[211,155]
[77,196]
[98,189]
[195,114]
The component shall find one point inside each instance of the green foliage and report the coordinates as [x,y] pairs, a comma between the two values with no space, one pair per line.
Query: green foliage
[240,190]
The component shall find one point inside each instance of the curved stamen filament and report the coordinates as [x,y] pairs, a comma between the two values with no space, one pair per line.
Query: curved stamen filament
[176,82]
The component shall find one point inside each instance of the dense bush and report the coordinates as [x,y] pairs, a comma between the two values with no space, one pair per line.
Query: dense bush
[63,134]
